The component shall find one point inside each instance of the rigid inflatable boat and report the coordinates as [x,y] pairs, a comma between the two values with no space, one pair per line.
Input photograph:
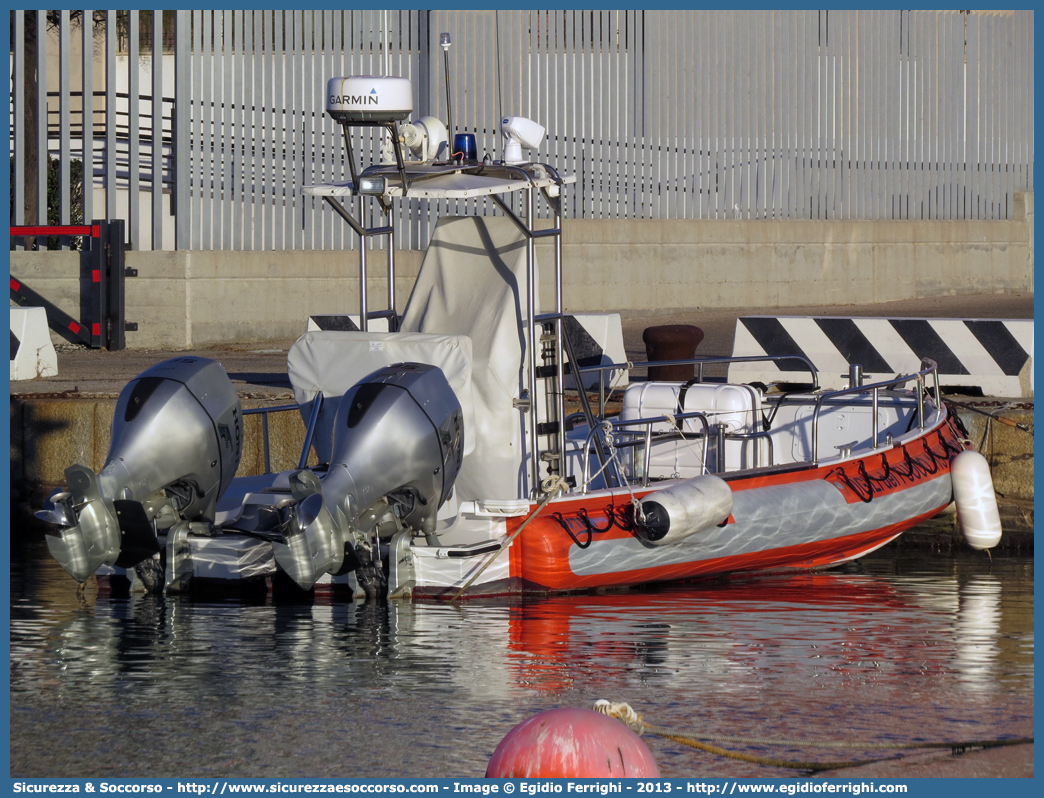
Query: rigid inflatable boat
[466,448]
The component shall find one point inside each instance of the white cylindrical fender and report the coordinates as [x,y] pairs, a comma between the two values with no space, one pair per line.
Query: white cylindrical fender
[674,513]
[976,501]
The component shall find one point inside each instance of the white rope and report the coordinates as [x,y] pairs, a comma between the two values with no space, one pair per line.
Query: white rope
[623,712]
[639,511]
[554,484]
[681,434]
[607,428]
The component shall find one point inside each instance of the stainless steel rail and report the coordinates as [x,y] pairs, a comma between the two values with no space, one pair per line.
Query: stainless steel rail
[756,436]
[696,361]
[264,412]
[646,440]
[873,389]
[528,229]
[822,399]
[317,405]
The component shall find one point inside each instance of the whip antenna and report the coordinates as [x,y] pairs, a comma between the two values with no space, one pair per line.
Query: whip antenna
[500,77]
[444,43]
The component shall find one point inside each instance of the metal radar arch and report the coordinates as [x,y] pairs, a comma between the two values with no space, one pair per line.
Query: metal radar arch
[385,102]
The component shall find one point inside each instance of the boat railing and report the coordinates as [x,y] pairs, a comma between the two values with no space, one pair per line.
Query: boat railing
[699,362]
[264,412]
[929,367]
[643,439]
[647,438]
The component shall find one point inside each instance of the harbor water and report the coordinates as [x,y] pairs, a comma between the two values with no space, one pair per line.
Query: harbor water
[894,648]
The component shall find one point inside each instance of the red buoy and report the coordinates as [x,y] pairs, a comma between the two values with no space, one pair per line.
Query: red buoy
[568,742]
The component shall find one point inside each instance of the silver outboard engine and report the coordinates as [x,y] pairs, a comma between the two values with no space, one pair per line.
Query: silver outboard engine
[177,437]
[398,443]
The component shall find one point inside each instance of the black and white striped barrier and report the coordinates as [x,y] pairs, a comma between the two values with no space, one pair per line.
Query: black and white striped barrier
[995,355]
[32,353]
[597,340]
[344,322]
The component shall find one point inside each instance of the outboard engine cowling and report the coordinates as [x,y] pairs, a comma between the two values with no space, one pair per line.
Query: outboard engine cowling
[177,438]
[398,443]
[399,433]
[178,422]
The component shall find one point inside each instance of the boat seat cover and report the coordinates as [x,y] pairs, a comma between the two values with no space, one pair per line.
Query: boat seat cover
[472,282]
[332,361]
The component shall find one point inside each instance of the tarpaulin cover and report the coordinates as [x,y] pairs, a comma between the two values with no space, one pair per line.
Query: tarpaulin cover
[466,316]
[473,282]
[333,361]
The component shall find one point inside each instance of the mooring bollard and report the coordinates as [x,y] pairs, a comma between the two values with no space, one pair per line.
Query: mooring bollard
[671,342]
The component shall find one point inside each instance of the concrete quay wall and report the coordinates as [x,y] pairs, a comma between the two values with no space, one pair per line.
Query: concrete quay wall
[49,433]
[189,299]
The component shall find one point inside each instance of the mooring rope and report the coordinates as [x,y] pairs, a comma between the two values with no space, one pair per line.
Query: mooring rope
[1010,422]
[553,485]
[626,715]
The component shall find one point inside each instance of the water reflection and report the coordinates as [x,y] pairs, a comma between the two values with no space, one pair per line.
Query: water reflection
[851,626]
[891,650]
[977,630]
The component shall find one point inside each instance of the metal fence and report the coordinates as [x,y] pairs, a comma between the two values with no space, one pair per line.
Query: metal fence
[660,114]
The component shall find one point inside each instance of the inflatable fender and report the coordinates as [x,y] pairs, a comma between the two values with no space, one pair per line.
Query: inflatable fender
[675,513]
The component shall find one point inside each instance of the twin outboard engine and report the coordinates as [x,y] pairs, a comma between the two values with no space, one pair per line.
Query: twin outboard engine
[177,437]
[398,443]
